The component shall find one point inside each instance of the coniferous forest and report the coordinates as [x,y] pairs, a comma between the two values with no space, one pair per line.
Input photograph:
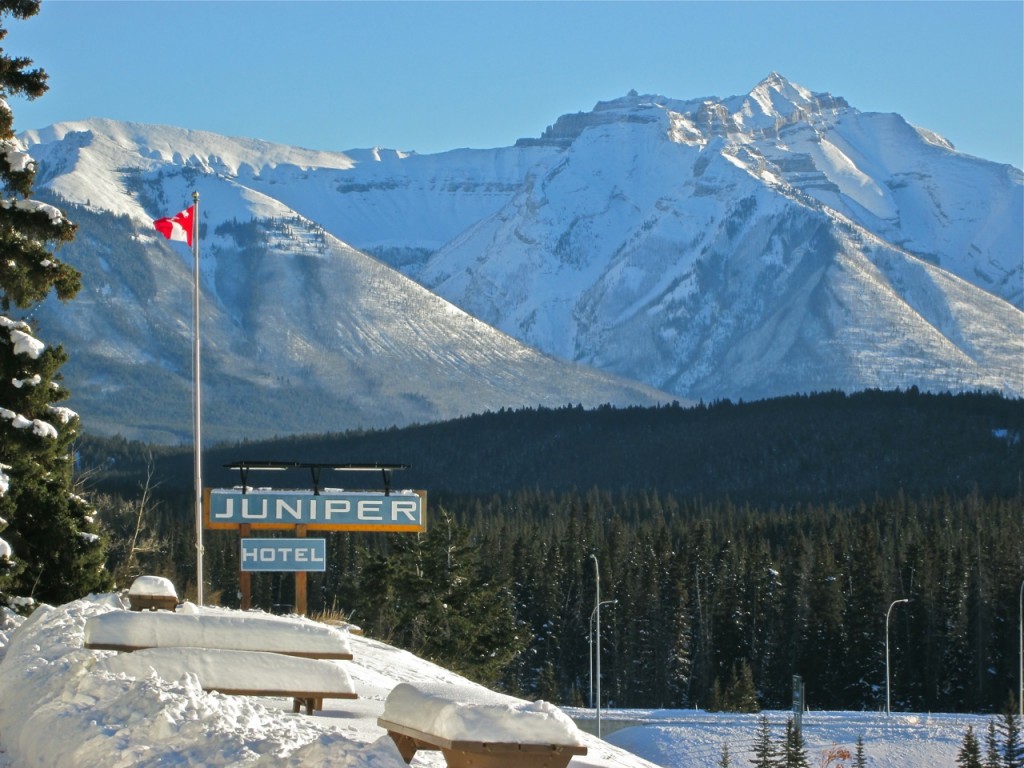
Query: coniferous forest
[737,544]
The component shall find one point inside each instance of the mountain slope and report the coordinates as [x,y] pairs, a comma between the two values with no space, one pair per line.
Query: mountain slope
[734,248]
[300,333]
[764,244]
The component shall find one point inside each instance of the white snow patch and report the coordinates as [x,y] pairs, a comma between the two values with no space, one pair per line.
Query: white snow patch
[153,586]
[57,709]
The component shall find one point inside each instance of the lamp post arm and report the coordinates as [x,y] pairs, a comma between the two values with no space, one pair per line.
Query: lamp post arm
[888,613]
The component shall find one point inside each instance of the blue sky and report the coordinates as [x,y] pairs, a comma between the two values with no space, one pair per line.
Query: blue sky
[430,76]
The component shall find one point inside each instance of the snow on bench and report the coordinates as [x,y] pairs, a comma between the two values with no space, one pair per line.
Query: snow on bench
[243,673]
[133,631]
[242,646]
[477,727]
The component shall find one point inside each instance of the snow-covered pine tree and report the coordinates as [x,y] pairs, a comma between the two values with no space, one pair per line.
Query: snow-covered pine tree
[49,548]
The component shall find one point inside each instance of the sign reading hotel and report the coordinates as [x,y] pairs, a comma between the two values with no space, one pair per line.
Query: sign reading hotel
[284,555]
[328,510]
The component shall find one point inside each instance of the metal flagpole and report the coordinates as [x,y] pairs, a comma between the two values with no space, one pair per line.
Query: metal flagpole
[196,420]
[597,610]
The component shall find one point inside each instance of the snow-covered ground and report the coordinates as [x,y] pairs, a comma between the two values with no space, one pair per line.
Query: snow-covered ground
[58,707]
[688,739]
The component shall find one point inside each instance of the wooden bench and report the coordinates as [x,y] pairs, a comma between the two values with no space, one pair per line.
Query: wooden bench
[480,754]
[206,633]
[240,673]
[152,602]
[411,717]
[152,593]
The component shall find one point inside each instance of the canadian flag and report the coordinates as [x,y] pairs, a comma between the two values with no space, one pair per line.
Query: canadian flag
[177,227]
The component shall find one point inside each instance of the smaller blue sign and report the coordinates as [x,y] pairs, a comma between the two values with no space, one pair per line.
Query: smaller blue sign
[284,555]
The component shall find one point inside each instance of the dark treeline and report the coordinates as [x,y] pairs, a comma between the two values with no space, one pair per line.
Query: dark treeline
[712,591]
[828,447]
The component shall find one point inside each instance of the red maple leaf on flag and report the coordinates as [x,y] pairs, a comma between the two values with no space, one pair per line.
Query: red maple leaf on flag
[178,227]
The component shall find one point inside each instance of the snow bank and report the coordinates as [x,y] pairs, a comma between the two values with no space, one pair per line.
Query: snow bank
[57,709]
[475,714]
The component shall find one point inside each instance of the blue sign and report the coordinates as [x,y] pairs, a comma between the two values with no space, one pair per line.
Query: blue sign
[284,554]
[329,510]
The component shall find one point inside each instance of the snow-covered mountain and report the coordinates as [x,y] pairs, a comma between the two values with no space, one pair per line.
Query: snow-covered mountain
[755,246]
[300,332]
[775,242]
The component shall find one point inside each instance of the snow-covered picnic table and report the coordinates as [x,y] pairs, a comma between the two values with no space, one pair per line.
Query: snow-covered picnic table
[229,652]
[475,727]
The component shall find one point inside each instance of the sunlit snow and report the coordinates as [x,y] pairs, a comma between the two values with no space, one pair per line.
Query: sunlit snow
[63,706]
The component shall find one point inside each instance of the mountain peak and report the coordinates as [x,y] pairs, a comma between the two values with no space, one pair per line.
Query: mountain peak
[772,103]
[777,98]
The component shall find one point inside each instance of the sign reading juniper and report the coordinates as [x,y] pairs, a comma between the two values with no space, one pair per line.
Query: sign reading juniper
[329,510]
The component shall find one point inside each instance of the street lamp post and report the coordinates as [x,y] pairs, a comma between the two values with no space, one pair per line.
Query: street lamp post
[597,611]
[1020,657]
[591,638]
[887,614]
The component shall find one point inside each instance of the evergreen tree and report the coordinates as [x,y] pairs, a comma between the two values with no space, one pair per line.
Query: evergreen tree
[860,760]
[50,548]
[724,760]
[992,759]
[969,755]
[864,618]
[823,668]
[765,751]
[740,694]
[426,595]
[1009,729]
[794,750]
[677,637]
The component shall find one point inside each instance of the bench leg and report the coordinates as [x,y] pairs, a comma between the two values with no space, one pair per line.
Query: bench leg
[407,745]
[309,704]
